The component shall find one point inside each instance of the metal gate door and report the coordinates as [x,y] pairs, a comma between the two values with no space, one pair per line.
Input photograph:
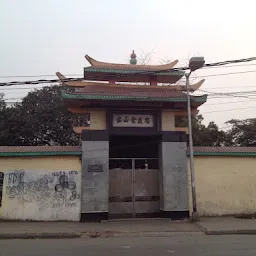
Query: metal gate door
[133,187]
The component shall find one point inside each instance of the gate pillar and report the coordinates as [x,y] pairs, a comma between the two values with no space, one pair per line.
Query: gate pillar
[95,175]
[174,197]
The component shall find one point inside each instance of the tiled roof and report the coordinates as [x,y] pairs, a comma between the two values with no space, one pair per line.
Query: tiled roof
[39,150]
[225,149]
[229,151]
[145,93]
[99,65]
[106,74]
[77,150]
[133,69]
[178,87]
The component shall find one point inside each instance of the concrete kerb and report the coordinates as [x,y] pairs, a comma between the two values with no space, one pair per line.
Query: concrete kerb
[104,234]
[113,229]
[108,234]
[226,231]
[230,232]
[39,235]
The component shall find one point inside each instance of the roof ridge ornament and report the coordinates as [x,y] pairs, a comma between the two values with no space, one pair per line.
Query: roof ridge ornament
[133,59]
[116,66]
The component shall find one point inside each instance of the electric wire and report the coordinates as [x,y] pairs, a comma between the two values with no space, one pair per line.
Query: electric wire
[43,81]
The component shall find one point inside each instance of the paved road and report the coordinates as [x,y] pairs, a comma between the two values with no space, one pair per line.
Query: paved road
[180,245]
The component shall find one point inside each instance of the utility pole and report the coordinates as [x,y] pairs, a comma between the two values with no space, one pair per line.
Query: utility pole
[194,64]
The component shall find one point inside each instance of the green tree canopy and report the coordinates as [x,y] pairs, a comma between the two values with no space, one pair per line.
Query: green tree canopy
[209,135]
[41,119]
[241,133]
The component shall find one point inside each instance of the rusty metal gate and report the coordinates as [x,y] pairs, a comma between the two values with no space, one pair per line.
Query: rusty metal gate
[133,187]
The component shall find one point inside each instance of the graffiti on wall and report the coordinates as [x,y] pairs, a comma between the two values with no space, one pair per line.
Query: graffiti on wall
[51,190]
[1,187]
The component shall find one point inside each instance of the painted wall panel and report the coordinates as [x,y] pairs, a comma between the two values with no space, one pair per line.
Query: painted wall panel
[53,163]
[168,121]
[225,185]
[41,188]
[97,119]
[30,187]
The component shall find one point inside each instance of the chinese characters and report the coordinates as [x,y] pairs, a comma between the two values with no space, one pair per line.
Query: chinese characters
[129,120]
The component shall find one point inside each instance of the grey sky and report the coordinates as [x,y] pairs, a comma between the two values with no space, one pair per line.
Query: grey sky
[42,37]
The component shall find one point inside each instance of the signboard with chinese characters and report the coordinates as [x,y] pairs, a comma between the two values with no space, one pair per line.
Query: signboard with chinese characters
[130,120]
[95,168]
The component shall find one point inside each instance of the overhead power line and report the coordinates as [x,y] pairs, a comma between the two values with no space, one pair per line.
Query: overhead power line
[41,86]
[232,102]
[231,87]
[27,76]
[227,93]
[49,81]
[206,104]
[226,74]
[234,94]
[43,81]
[38,76]
[209,65]
[22,88]
[231,66]
[213,97]
[226,110]
[229,62]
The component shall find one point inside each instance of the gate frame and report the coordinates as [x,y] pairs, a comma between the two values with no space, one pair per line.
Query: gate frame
[134,175]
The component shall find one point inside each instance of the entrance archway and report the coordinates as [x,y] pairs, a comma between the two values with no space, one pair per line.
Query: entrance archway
[134,177]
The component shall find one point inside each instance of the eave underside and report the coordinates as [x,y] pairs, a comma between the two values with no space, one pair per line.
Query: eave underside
[130,104]
[132,76]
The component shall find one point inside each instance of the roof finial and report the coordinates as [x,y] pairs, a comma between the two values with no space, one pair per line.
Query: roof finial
[133,59]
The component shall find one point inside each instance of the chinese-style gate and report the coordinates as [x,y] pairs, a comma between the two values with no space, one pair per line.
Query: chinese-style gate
[133,141]
[134,188]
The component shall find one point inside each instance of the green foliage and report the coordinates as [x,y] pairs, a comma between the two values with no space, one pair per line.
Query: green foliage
[202,135]
[209,135]
[41,119]
[242,133]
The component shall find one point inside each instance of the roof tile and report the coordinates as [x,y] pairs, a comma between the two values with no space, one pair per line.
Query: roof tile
[139,91]
[133,69]
[79,149]
[24,149]
[225,149]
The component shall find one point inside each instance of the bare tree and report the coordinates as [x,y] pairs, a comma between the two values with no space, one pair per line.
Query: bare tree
[2,102]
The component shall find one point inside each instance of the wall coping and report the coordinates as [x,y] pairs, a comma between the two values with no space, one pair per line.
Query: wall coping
[8,154]
[223,154]
[224,151]
[17,151]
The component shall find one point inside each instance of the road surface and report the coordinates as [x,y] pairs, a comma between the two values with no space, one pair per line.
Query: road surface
[178,245]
